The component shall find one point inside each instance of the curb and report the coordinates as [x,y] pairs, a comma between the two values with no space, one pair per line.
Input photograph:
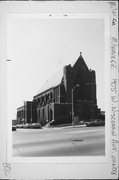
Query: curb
[50,128]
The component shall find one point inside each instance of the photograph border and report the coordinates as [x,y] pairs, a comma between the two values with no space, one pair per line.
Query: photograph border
[110,161]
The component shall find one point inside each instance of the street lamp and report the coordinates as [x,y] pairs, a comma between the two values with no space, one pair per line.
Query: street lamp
[72,101]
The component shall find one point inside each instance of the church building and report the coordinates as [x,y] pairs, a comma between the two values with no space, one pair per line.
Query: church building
[68,95]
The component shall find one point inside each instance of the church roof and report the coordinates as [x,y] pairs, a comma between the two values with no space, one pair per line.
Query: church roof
[56,79]
[53,81]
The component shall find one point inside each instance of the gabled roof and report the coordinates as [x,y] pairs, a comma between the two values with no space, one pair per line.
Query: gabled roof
[54,81]
[80,63]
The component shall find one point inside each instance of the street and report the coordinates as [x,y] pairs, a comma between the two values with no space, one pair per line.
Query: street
[68,141]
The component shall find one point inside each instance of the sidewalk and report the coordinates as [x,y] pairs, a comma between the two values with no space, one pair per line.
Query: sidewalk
[50,128]
[68,126]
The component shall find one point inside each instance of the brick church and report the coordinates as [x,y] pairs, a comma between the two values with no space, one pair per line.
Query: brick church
[67,95]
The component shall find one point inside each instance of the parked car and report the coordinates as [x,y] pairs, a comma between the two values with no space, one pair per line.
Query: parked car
[17,126]
[28,125]
[36,126]
[21,125]
[81,123]
[95,123]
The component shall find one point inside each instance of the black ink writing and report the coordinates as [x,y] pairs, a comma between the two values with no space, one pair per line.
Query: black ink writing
[114,40]
[114,99]
[114,85]
[114,88]
[7,168]
[114,21]
[114,43]
[114,110]
[114,144]
[114,166]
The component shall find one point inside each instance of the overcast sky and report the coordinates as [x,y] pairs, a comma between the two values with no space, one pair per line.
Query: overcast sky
[41,47]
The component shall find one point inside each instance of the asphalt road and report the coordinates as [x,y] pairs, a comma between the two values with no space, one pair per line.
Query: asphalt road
[71,141]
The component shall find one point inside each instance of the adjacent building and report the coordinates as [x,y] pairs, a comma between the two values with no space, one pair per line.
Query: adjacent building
[26,113]
[69,94]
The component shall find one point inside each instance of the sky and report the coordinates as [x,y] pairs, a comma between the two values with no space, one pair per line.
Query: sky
[41,47]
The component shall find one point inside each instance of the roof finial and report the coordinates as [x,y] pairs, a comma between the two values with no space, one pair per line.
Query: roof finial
[80,53]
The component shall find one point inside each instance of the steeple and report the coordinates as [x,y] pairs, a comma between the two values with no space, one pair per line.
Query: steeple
[80,54]
[80,63]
